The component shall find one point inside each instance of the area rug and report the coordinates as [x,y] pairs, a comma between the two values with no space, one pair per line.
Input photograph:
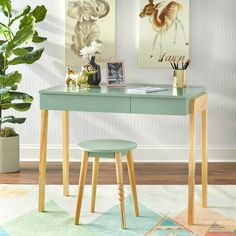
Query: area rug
[162,212]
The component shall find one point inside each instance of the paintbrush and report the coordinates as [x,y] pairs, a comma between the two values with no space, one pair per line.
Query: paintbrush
[175,65]
[187,64]
[172,65]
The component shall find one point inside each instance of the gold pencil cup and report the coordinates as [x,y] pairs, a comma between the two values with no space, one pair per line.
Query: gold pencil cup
[179,79]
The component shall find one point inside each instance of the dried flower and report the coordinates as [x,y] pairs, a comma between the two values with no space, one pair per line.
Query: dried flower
[88,52]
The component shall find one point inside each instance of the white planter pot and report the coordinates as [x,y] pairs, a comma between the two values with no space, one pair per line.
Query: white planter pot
[9,154]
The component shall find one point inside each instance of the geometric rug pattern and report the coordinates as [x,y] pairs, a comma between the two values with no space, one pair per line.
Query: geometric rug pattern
[58,218]
[209,222]
[34,223]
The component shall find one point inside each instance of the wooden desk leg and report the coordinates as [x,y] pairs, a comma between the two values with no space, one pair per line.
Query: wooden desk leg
[65,151]
[43,156]
[204,157]
[197,105]
[191,167]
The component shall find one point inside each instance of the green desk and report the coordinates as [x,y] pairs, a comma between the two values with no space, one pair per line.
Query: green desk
[182,102]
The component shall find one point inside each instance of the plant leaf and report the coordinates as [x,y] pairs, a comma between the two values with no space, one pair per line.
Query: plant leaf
[4,91]
[2,42]
[28,58]
[14,87]
[23,36]
[21,13]
[37,38]
[6,95]
[22,51]
[1,63]
[5,31]
[5,6]
[16,106]
[7,46]
[3,47]
[12,119]
[9,97]
[39,13]
[21,96]
[10,79]
[27,20]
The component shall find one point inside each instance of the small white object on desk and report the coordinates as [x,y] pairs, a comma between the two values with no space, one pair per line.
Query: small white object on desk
[144,90]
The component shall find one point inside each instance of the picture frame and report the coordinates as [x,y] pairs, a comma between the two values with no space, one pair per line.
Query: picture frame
[158,44]
[115,74]
[88,21]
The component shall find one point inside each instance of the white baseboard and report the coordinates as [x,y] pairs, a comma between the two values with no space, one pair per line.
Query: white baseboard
[141,154]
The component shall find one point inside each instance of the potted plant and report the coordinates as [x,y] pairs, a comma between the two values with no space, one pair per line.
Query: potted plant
[17,31]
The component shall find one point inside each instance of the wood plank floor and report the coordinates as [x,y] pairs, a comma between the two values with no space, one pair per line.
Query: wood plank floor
[146,173]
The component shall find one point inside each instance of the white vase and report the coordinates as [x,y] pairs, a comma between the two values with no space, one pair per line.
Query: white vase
[9,154]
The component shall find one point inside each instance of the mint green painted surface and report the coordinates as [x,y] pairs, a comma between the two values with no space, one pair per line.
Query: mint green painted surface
[105,154]
[106,147]
[84,103]
[102,99]
[163,106]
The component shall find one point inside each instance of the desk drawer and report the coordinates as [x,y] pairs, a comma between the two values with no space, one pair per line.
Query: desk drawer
[85,103]
[162,106]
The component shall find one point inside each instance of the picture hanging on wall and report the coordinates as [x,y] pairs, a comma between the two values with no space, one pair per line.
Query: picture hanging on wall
[88,21]
[163,32]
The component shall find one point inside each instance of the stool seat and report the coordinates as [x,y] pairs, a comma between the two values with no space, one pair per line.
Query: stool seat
[108,148]
[100,146]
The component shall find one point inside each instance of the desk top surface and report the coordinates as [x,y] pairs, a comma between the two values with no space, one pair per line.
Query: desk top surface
[103,90]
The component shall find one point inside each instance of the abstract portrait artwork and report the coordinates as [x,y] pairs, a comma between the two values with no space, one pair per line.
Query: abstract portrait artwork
[88,21]
[163,32]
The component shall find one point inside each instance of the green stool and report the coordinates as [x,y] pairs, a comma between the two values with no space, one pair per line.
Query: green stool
[107,149]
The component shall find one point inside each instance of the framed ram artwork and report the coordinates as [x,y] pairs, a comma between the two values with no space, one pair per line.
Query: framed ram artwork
[163,32]
[87,21]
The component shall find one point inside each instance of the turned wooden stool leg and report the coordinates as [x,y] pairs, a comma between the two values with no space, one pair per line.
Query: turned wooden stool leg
[94,183]
[119,176]
[132,181]
[82,178]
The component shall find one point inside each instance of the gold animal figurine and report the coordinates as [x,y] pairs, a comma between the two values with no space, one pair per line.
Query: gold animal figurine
[82,80]
[71,77]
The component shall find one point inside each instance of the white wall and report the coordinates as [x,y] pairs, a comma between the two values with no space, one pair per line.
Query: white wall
[213,54]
